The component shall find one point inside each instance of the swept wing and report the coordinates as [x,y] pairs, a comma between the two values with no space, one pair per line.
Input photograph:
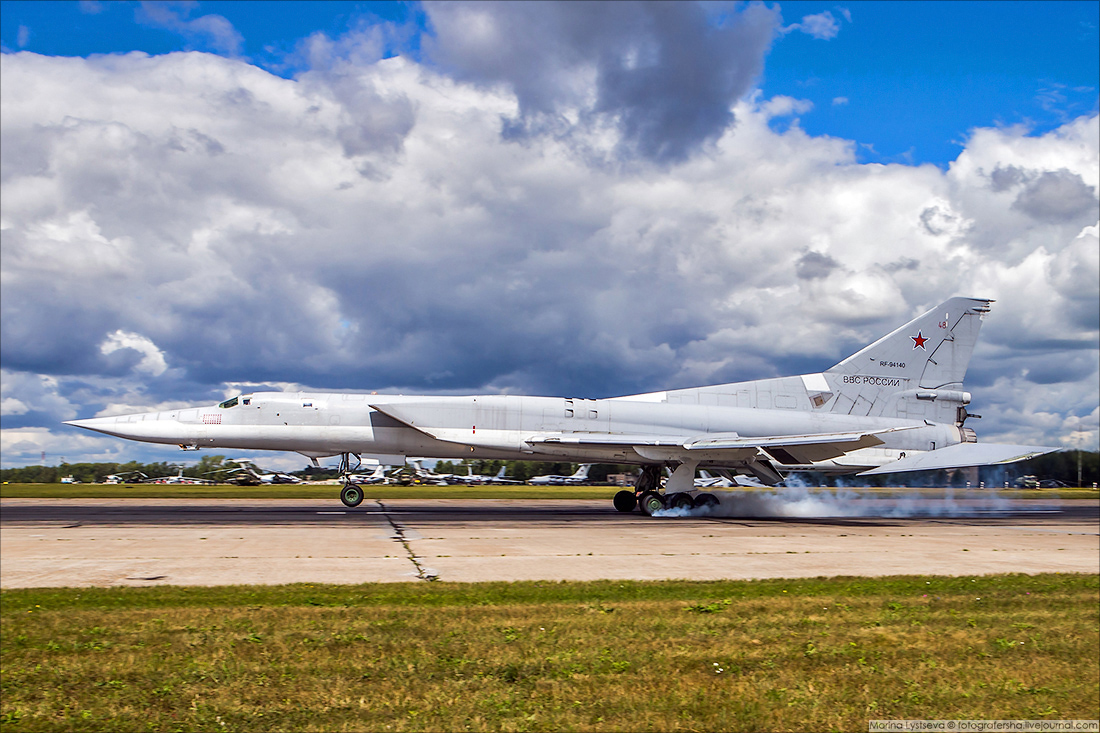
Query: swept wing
[960,456]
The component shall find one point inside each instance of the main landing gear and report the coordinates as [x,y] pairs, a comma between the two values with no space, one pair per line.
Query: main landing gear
[351,494]
[647,496]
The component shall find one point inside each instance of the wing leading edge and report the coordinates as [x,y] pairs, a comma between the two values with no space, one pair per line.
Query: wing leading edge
[710,447]
[716,446]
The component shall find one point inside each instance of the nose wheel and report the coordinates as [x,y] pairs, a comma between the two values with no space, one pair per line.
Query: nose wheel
[351,495]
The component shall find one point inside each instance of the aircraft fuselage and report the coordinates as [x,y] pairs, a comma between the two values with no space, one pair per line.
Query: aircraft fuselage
[503,427]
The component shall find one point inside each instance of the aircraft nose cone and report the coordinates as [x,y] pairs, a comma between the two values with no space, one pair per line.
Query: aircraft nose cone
[90,422]
[151,427]
[99,424]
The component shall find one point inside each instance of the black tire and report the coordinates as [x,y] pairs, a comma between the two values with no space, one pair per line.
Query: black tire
[650,502]
[351,495]
[680,500]
[625,501]
[706,500]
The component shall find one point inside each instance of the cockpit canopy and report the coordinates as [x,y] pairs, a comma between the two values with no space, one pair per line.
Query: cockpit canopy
[241,399]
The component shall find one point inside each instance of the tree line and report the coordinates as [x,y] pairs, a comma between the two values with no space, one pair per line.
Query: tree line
[211,467]
[207,467]
[1060,466]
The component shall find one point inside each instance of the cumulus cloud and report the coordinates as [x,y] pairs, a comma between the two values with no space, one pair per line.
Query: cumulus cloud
[210,31]
[664,75]
[13,406]
[38,399]
[823,26]
[813,265]
[151,359]
[1057,196]
[25,447]
[176,227]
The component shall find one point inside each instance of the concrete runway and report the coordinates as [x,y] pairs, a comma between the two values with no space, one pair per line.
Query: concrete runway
[140,542]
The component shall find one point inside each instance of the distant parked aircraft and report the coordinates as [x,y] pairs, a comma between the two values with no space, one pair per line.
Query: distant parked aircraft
[377,476]
[552,480]
[249,474]
[705,481]
[501,479]
[126,477]
[179,478]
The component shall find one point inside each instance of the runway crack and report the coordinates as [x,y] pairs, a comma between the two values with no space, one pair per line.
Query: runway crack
[399,534]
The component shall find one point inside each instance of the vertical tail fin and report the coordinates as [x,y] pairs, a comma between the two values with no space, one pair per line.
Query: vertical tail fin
[908,370]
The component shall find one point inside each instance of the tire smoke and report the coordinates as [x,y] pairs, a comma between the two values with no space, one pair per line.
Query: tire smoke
[799,502]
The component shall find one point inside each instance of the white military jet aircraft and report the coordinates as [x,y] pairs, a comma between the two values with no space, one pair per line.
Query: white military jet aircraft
[706,481]
[896,405]
[579,477]
[474,479]
[127,477]
[249,474]
[500,479]
[179,478]
[427,476]
[377,476]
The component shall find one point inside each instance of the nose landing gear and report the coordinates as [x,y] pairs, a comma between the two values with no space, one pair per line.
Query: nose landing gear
[351,494]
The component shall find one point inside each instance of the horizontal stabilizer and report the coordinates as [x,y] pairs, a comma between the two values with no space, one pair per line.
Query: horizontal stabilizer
[962,455]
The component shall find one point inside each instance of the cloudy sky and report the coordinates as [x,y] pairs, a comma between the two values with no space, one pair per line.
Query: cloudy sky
[562,199]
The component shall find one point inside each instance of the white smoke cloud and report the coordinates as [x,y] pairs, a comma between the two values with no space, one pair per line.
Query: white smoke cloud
[798,502]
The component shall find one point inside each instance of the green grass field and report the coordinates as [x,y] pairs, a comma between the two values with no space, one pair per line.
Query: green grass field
[820,654]
[331,492]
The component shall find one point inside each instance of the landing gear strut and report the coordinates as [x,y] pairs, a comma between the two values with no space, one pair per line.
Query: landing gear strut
[650,480]
[646,494]
[351,494]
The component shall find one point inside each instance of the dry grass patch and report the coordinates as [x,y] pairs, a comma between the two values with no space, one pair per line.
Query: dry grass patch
[777,655]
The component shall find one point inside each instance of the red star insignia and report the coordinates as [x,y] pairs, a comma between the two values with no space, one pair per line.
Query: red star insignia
[919,340]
